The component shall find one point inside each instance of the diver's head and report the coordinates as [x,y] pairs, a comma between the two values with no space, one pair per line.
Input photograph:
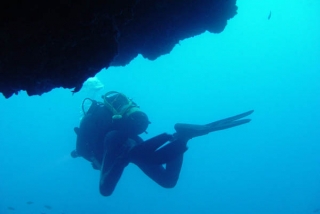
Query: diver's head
[135,121]
[127,115]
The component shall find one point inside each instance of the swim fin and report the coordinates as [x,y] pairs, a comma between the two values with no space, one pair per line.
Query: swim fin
[188,131]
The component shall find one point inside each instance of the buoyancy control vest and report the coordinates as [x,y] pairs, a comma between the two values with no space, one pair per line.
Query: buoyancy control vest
[116,112]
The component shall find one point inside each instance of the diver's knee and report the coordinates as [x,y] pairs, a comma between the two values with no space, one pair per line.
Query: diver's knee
[169,183]
[106,192]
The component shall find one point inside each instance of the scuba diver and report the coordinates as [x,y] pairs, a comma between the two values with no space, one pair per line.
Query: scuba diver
[108,137]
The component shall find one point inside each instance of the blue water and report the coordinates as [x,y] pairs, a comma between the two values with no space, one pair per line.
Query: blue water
[271,165]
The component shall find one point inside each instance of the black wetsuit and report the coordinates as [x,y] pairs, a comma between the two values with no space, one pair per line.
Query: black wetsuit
[110,147]
[110,150]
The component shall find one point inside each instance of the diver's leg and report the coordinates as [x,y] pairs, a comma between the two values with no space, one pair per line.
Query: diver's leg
[115,160]
[158,150]
[165,163]
[170,151]
[166,176]
[150,145]
[109,178]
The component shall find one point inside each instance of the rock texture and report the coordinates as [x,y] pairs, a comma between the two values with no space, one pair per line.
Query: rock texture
[50,44]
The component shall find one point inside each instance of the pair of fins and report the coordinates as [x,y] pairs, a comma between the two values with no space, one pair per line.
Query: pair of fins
[164,147]
[189,131]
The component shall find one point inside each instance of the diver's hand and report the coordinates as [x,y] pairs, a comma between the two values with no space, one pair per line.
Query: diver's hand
[74,154]
[95,166]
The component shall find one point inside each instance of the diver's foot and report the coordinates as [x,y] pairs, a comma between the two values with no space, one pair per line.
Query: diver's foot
[188,131]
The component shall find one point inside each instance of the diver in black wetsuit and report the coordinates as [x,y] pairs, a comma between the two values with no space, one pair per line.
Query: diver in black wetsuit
[108,138]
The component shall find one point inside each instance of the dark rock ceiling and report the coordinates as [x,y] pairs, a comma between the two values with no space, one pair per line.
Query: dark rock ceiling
[51,44]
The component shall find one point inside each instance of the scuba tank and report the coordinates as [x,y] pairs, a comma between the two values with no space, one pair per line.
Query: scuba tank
[127,115]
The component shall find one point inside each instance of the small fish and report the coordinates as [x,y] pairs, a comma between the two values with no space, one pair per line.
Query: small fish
[269,15]
[11,208]
[29,202]
[48,207]
[316,210]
